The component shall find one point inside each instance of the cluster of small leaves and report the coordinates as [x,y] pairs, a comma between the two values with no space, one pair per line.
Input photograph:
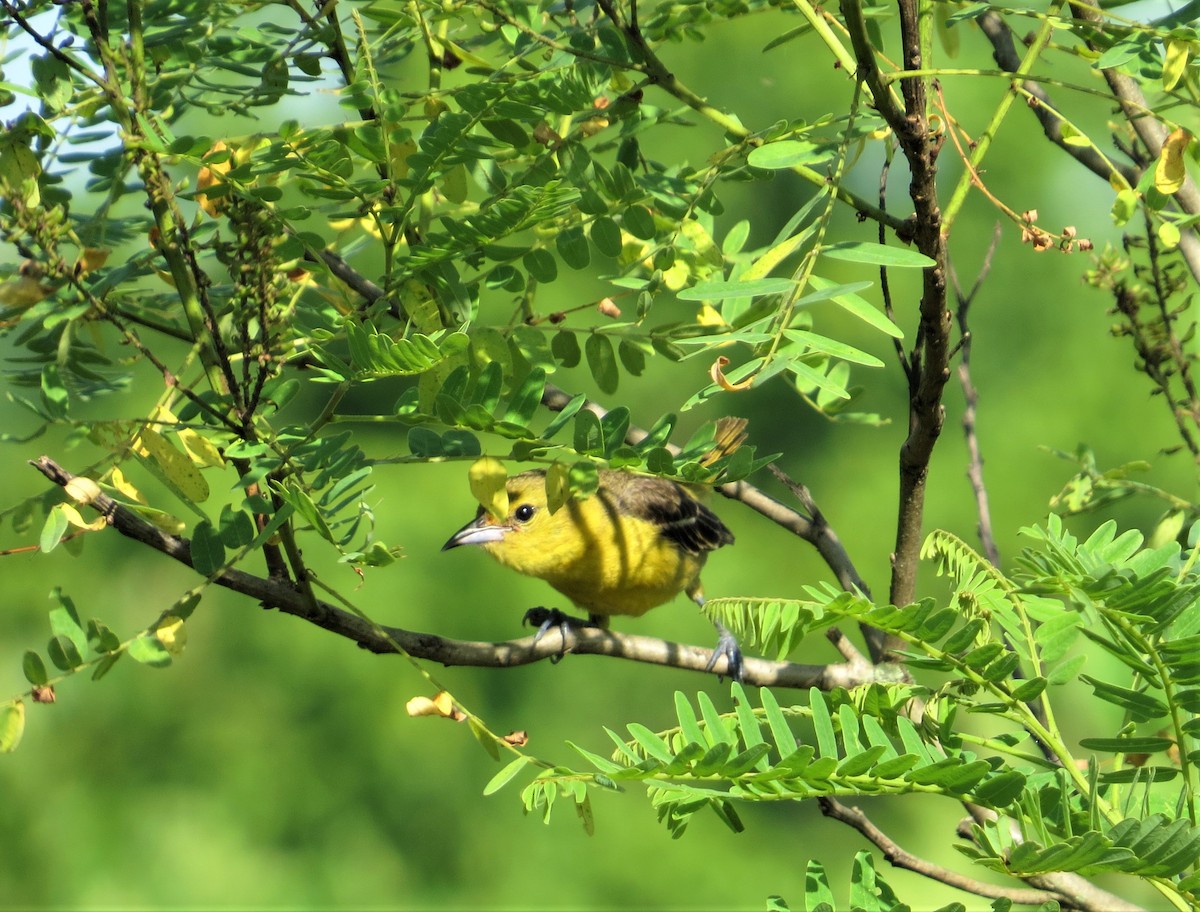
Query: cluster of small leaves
[74,647]
[857,745]
[471,401]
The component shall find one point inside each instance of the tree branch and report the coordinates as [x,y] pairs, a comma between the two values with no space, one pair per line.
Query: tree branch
[288,598]
[1054,889]
[929,360]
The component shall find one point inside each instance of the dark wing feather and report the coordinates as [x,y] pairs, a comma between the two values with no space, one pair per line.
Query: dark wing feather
[682,519]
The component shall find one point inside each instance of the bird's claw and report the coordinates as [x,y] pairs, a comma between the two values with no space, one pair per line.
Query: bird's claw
[727,646]
[546,618]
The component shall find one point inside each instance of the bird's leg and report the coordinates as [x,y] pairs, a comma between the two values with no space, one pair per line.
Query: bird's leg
[545,618]
[727,646]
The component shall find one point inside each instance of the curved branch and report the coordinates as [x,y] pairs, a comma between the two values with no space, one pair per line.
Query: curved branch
[288,598]
[1070,891]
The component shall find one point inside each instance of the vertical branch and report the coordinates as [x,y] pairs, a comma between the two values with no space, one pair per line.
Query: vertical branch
[930,356]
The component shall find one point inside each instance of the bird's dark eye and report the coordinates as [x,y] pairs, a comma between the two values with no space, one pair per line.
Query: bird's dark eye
[523,513]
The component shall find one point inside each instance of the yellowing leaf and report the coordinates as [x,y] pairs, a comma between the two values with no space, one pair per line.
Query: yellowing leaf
[22,292]
[172,634]
[174,467]
[75,519]
[1175,64]
[1170,173]
[678,276]
[489,485]
[558,486]
[170,524]
[702,241]
[441,705]
[19,173]
[12,726]
[117,479]
[1124,206]
[200,449]
[399,153]
[211,174]
[1168,235]
[769,260]
[456,184]
[91,259]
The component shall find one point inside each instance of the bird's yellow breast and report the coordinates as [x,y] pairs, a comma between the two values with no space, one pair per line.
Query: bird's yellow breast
[602,560]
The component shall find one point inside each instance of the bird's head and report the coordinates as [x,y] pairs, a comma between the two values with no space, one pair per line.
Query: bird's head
[527,513]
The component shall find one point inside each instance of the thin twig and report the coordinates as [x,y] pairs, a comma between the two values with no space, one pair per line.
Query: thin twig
[971,398]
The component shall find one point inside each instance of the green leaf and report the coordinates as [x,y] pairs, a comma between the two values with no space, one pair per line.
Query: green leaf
[424,443]
[105,665]
[613,428]
[1131,745]
[505,776]
[565,347]
[602,361]
[237,529]
[34,669]
[713,291]
[524,402]
[823,725]
[858,307]
[589,437]
[63,653]
[817,892]
[573,247]
[541,265]
[781,732]
[633,356]
[606,236]
[52,530]
[638,221]
[815,342]
[651,743]
[1141,706]
[877,255]
[788,153]
[566,414]
[64,620]
[208,551]
[148,649]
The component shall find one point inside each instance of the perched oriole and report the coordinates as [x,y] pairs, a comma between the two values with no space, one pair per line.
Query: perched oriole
[634,544]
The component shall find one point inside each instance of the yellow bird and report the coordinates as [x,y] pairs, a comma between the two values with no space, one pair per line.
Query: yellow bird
[633,545]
